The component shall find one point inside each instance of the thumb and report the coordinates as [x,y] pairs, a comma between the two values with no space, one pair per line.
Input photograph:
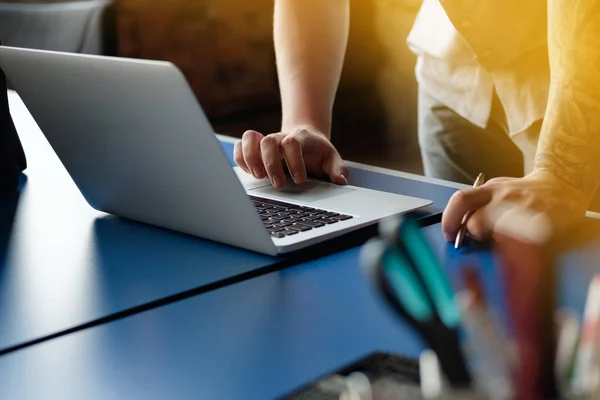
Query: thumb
[335,168]
[459,204]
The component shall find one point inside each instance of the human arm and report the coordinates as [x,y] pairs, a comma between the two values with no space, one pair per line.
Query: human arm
[567,167]
[310,41]
[569,145]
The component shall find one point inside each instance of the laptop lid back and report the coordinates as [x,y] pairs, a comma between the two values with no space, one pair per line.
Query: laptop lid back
[135,141]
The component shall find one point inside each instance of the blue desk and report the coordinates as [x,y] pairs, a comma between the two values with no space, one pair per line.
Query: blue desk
[254,340]
[65,266]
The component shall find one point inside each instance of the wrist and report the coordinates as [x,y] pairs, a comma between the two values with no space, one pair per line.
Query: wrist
[313,119]
[313,128]
[556,179]
[568,164]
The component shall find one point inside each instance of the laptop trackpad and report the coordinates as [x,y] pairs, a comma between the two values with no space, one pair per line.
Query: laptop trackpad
[309,192]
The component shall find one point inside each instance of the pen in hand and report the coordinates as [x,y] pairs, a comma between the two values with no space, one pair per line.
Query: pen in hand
[462,230]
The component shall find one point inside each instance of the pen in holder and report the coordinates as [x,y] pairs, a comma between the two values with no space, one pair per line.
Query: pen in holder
[434,385]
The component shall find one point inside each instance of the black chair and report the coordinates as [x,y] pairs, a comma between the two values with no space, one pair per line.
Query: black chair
[85,26]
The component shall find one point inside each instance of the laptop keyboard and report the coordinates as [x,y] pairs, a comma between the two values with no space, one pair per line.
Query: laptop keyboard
[285,219]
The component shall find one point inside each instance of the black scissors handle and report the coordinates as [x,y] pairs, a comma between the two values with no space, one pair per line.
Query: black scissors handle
[442,340]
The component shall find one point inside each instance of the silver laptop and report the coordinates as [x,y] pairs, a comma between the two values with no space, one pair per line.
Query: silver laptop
[134,139]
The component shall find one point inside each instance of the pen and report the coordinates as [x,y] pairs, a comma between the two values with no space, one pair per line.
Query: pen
[462,230]
[567,340]
[473,285]
[493,373]
[586,368]
[432,384]
[482,313]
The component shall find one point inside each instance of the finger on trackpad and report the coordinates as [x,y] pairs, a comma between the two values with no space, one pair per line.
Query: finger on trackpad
[309,192]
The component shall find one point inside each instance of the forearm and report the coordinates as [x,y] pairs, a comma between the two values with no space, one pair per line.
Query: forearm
[569,144]
[310,43]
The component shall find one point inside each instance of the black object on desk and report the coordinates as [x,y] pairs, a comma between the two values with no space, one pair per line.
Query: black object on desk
[12,157]
[390,376]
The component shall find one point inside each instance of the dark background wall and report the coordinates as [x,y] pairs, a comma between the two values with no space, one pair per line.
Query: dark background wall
[225,50]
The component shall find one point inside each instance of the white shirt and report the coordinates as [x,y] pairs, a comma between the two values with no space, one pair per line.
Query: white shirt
[468,48]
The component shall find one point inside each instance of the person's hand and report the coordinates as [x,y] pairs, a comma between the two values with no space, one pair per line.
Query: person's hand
[303,150]
[540,191]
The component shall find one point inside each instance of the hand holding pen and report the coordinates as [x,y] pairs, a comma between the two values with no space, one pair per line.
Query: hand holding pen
[537,191]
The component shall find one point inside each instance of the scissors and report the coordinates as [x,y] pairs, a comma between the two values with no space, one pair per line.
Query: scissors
[405,270]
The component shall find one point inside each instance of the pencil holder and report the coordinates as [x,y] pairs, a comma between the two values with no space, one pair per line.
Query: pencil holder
[450,394]
[434,386]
